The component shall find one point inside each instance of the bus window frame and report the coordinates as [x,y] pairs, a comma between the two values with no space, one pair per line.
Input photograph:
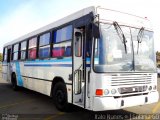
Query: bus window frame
[60,28]
[50,42]
[37,36]
[12,51]
[28,58]
[23,50]
[5,53]
[61,42]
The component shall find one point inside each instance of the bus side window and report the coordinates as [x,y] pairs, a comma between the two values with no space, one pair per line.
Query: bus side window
[78,44]
[44,45]
[32,53]
[15,52]
[62,42]
[58,52]
[23,50]
[32,49]
[5,54]
[68,51]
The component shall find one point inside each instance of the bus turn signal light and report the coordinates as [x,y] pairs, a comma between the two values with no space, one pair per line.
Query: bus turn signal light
[99,92]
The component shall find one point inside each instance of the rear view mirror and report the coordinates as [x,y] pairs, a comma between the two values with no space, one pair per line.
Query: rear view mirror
[95,30]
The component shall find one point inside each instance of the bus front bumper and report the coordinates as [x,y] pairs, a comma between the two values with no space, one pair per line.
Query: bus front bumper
[111,103]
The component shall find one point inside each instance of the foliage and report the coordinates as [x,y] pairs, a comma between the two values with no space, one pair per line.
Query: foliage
[1,57]
[158,57]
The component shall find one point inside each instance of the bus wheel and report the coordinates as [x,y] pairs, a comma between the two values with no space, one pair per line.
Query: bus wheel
[60,97]
[14,82]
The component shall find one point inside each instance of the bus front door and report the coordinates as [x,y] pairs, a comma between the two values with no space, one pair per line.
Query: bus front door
[78,82]
[8,64]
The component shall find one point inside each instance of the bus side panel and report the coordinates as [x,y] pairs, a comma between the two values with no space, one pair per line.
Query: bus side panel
[88,83]
[38,75]
[4,71]
[25,78]
[16,68]
[40,86]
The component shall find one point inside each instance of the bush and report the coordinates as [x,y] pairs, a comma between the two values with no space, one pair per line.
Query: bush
[1,57]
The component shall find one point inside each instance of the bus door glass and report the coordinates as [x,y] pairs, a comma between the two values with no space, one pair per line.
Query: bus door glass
[78,83]
[8,64]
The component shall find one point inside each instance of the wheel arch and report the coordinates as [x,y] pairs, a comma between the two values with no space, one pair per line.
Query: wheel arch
[13,73]
[54,82]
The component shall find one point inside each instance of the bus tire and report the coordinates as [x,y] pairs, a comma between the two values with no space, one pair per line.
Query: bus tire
[60,97]
[14,82]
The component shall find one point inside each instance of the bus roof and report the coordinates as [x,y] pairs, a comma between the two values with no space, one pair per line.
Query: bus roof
[105,15]
[57,23]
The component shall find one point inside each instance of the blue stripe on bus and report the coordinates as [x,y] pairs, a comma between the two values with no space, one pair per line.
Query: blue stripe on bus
[49,65]
[53,60]
[19,77]
[39,63]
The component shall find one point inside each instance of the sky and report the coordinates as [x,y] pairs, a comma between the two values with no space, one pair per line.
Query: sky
[19,17]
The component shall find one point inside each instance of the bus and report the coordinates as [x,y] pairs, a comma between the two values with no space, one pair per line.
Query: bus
[98,59]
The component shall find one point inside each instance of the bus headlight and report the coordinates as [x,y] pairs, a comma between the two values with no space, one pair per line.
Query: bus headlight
[106,92]
[113,91]
[150,88]
[154,87]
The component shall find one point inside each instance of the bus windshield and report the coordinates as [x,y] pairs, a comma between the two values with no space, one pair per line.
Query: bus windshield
[111,55]
[145,59]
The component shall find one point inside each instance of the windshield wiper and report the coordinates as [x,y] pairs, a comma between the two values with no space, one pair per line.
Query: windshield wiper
[120,34]
[139,37]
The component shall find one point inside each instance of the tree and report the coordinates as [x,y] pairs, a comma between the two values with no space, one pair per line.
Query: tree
[1,57]
[158,57]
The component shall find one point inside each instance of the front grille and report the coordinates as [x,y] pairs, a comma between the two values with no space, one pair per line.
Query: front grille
[125,90]
[131,79]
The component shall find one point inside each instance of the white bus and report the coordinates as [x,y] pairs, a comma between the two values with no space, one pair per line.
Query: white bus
[96,58]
